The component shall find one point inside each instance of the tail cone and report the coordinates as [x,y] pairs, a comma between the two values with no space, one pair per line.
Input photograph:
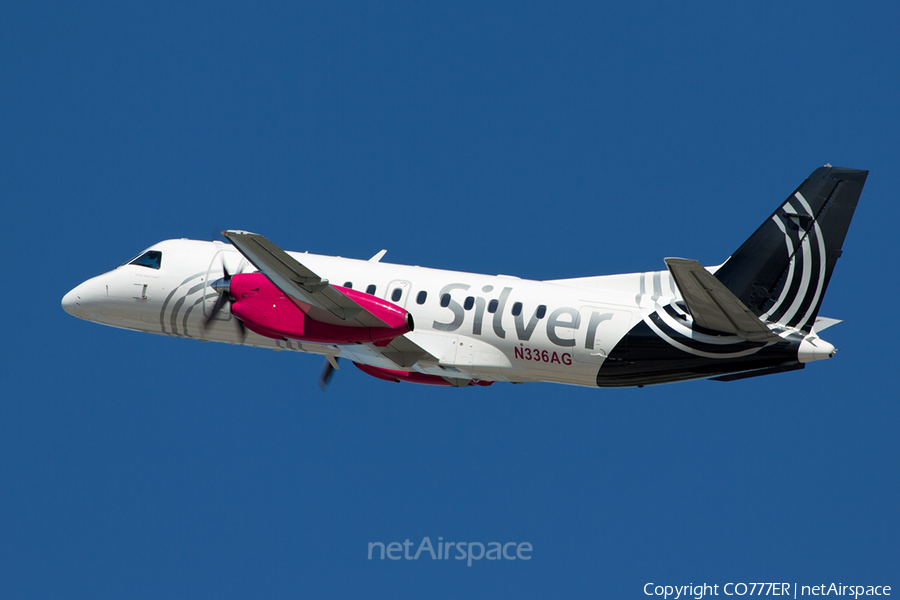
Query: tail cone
[813,348]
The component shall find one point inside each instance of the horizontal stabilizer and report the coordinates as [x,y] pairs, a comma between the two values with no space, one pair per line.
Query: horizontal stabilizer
[713,306]
[823,323]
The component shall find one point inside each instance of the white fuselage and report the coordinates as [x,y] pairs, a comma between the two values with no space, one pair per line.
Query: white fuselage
[476,336]
[756,314]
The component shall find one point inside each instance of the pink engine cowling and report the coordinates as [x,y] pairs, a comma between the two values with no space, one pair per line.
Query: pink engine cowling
[265,310]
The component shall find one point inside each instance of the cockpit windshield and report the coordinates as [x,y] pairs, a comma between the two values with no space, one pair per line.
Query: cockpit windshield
[151,258]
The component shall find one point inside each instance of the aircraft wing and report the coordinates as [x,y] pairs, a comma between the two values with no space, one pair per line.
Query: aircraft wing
[405,352]
[316,296]
[713,306]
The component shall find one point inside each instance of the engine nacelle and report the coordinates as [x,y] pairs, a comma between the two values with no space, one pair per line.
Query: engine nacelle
[265,310]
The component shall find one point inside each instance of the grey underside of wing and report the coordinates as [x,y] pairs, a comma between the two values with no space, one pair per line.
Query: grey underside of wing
[713,306]
[294,279]
[405,352]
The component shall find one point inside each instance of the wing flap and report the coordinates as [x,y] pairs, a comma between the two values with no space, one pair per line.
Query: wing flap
[713,306]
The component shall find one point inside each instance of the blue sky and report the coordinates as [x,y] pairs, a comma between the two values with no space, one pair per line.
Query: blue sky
[538,140]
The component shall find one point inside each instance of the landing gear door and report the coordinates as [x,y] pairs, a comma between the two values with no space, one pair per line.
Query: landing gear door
[600,330]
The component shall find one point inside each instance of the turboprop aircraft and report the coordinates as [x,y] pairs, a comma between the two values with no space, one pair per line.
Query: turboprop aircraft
[755,314]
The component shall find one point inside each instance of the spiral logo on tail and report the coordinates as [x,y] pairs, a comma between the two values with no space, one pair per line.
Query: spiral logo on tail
[802,288]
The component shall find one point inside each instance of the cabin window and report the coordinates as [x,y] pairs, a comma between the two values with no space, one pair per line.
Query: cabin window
[348,285]
[371,290]
[469,303]
[420,298]
[152,259]
[395,295]
[492,306]
[445,300]
[517,309]
[541,311]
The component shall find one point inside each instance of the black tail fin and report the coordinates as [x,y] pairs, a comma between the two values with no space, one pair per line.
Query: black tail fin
[782,271]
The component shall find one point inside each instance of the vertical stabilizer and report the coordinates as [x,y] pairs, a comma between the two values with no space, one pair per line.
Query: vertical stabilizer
[782,270]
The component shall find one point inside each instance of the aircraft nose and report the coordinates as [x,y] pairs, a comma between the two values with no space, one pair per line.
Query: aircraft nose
[70,302]
[81,297]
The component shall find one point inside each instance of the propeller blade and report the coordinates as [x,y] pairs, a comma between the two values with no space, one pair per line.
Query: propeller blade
[222,287]
[327,372]
[220,302]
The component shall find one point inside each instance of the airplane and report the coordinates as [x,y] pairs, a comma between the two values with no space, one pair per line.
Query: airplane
[755,314]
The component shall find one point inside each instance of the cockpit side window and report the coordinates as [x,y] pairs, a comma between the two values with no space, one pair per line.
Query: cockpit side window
[151,258]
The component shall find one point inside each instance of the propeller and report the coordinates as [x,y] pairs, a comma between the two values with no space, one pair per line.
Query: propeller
[223,288]
[331,365]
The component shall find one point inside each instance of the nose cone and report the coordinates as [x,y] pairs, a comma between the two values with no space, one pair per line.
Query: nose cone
[81,299]
[70,303]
